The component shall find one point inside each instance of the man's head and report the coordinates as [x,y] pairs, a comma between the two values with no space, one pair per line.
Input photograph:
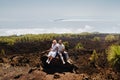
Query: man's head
[60,41]
[54,41]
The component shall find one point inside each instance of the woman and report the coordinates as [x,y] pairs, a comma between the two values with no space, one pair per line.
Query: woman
[53,51]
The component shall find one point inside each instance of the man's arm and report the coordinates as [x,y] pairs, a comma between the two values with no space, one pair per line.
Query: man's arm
[63,48]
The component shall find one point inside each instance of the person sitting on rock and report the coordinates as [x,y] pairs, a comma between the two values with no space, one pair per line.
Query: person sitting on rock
[61,51]
[52,52]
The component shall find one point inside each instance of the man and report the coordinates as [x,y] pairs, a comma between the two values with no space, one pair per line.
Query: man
[53,51]
[61,50]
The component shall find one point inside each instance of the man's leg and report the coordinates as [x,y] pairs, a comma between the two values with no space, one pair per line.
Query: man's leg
[62,58]
[67,57]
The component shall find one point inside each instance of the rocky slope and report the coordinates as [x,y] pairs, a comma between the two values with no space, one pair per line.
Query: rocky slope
[30,67]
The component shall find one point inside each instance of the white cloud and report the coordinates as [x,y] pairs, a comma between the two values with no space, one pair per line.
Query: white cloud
[5,32]
[86,28]
[86,19]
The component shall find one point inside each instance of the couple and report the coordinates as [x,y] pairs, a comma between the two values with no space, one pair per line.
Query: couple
[57,48]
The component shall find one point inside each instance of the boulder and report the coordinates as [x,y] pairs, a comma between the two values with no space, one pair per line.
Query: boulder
[19,61]
[56,65]
[5,60]
[56,76]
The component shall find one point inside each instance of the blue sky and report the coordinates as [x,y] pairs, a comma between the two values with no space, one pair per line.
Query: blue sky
[59,16]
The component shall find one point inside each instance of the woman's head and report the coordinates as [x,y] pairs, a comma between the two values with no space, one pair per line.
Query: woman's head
[54,41]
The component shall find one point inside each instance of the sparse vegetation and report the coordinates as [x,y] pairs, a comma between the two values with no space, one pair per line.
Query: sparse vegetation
[66,43]
[94,57]
[114,55]
[96,39]
[85,33]
[110,38]
[11,40]
[79,46]
[85,51]
[2,52]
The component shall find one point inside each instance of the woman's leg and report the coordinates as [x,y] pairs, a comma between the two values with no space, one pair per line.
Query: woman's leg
[48,60]
[51,55]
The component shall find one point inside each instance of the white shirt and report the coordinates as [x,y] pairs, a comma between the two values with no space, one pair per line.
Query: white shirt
[61,47]
[54,47]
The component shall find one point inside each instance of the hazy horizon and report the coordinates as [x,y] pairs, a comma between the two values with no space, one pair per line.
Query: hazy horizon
[59,16]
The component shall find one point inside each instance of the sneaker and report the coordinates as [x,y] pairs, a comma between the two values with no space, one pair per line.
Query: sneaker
[48,61]
[69,61]
[63,62]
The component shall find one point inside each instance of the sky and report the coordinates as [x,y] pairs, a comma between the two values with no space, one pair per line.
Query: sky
[59,16]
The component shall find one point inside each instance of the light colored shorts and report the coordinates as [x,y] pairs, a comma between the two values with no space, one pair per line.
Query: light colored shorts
[52,53]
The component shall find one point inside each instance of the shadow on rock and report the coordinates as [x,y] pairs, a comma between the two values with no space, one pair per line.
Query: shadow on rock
[57,66]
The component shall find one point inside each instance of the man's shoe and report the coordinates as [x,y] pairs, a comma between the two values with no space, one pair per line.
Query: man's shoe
[48,62]
[63,62]
[69,61]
